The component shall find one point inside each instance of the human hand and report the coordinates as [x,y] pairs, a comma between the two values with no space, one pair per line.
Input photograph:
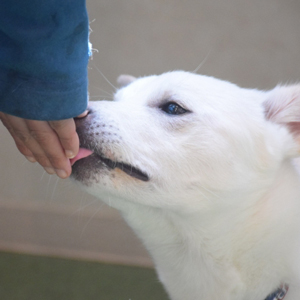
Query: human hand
[50,143]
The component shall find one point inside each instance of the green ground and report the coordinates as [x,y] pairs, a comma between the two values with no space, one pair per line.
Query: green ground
[26,277]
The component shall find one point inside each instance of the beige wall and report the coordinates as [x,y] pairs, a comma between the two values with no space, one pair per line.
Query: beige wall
[252,43]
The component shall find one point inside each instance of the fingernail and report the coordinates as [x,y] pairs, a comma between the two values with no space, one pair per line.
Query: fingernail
[61,173]
[31,159]
[70,154]
[85,113]
[49,170]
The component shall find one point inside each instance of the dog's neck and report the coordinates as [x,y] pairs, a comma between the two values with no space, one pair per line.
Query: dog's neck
[196,254]
[183,248]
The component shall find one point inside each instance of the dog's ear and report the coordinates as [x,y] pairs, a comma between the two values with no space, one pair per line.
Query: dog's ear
[124,80]
[283,107]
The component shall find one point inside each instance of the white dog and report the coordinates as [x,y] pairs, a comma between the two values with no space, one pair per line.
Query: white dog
[204,172]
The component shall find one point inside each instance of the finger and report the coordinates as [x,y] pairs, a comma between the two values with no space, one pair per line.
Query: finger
[24,150]
[40,139]
[3,118]
[66,132]
[37,141]
[20,145]
[50,149]
[26,142]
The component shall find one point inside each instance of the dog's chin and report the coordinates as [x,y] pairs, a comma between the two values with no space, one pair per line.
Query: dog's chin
[88,169]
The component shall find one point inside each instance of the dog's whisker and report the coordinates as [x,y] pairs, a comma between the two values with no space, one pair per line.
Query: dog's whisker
[54,189]
[43,174]
[25,162]
[84,206]
[98,98]
[115,88]
[202,63]
[48,184]
[90,219]
[82,199]
[110,94]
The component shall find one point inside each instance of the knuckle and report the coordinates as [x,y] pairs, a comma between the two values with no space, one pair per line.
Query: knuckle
[40,136]
[54,161]
[23,136]
[57,162]
[6,125]
[67,141]
[58,125]
[42,160]
[23,149]
[64,128]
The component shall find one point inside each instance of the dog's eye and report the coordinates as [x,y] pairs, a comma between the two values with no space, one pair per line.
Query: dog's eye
[173,108]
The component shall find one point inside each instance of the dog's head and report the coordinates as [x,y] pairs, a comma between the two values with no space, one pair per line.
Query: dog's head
[183,140]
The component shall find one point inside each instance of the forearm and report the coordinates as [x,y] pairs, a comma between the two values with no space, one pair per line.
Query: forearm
[44,54]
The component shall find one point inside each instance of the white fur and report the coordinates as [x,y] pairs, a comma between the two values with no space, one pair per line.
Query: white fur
[220,214]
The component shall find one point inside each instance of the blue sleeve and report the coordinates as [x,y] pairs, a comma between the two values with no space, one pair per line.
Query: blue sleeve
[44,52]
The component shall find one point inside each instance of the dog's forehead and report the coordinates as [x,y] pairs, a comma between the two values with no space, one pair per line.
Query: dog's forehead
[177,86]
[158,87]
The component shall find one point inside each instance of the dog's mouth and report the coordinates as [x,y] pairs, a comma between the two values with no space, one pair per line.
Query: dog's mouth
[126,168]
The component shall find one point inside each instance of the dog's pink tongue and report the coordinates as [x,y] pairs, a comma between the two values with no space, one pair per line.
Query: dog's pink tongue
[82,153]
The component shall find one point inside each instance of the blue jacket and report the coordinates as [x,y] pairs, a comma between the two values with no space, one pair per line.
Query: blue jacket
[44,52]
